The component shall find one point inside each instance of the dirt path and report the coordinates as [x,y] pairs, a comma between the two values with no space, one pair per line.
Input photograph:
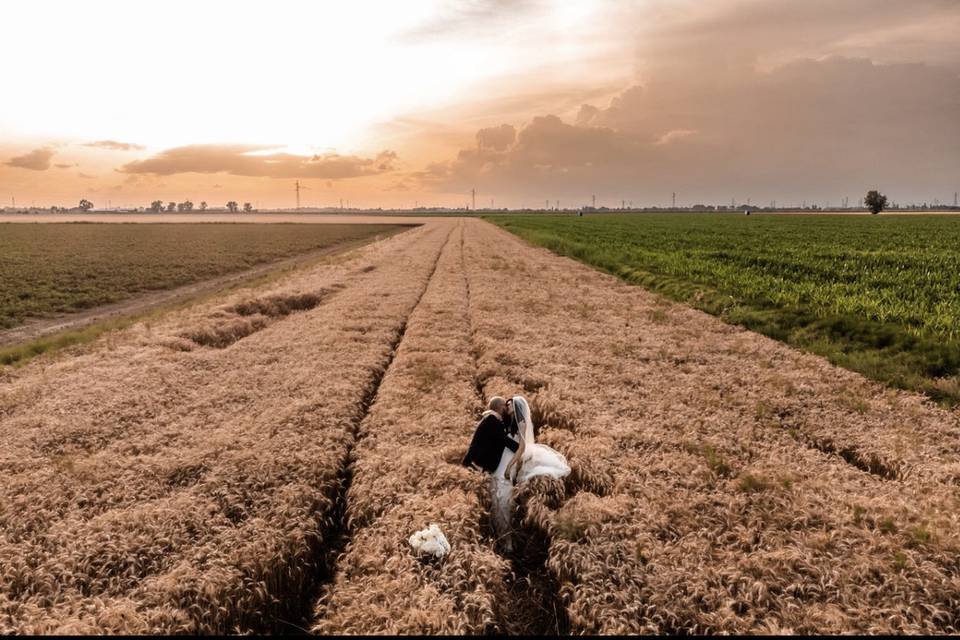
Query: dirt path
[42,327]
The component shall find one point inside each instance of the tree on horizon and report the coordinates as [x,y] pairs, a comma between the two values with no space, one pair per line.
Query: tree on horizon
[875,201]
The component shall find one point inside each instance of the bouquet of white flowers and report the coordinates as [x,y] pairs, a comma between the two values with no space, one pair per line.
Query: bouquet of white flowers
[430,541]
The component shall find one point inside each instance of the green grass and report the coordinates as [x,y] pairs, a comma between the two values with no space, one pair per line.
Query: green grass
[876,294]
[48,269]
[19,354]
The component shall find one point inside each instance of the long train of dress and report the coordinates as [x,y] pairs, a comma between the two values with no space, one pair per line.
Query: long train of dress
[501,493]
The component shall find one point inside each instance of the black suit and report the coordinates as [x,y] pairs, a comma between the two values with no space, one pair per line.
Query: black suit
[488,443]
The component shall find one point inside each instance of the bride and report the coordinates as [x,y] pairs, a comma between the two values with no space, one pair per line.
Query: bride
[532,458]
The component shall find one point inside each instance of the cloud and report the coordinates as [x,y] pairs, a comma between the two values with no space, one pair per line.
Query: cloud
[85,176]
[37,160]
[807,129]
[675,135]
[64,166]
[459,17]
[115,146]
[496,138]
[770,99]
[259,161]
[686,36]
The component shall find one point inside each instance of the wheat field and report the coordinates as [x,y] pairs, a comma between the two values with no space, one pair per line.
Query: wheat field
[257,462]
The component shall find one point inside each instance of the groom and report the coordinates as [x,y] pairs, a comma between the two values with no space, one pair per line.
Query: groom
[492,450]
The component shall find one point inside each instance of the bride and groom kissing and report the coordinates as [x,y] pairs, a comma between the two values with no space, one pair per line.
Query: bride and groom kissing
[503,446]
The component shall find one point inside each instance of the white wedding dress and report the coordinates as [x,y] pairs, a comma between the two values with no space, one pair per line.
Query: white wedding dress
[501,491]
[538,459]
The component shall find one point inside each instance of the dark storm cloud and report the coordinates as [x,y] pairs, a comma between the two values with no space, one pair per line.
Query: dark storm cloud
[762,98]
[808,127]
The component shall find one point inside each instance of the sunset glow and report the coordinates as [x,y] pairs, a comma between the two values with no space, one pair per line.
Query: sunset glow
[380,103]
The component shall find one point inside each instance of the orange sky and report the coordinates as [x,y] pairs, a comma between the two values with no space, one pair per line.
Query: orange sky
[388,104]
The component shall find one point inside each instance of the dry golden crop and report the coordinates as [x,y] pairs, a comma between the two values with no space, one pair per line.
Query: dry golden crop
[188,476]
[407,475]
[722,481]
[157,483]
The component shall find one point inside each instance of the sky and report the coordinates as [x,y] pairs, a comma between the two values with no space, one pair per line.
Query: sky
[525,101]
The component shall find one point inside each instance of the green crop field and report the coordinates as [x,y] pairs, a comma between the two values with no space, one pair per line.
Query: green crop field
[55,268]
[876,294]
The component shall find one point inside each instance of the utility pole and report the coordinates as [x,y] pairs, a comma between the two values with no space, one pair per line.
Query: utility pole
[594,200]
[674,199]
[473,198]
[298,194]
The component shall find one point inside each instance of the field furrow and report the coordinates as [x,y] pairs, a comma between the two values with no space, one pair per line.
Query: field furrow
[697,503]
[407,475]
[151,486]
